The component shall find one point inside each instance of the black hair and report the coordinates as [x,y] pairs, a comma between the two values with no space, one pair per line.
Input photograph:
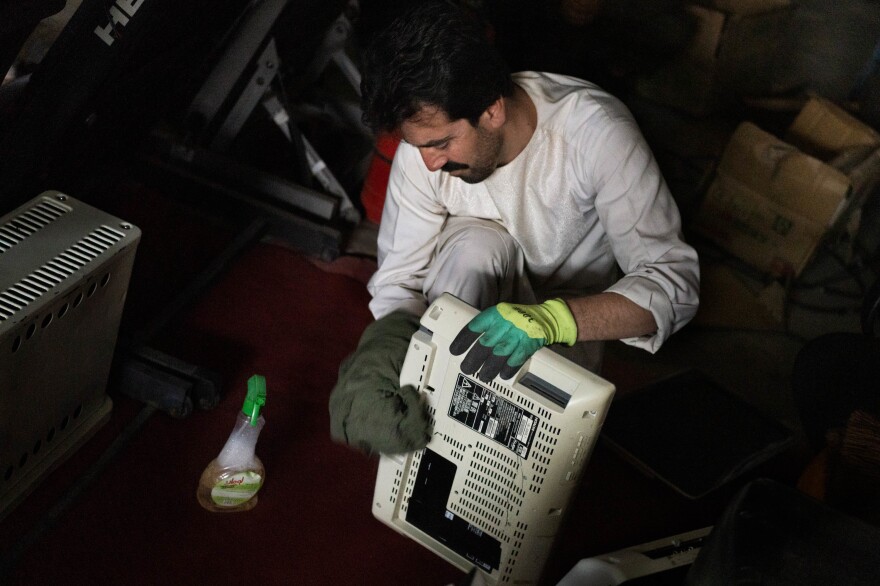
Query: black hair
[433,54]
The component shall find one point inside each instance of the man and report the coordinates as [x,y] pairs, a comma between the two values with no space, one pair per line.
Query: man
[521,194]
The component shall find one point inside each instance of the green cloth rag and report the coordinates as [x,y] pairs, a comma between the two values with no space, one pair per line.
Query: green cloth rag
[368,408]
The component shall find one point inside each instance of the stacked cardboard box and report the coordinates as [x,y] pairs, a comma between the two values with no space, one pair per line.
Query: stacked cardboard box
[772,201]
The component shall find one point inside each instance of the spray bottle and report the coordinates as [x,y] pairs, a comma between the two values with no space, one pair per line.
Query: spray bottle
[231,481]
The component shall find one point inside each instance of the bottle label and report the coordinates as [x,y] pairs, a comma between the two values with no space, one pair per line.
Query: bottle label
[236,489]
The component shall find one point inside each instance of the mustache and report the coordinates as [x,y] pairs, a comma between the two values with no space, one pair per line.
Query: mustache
[452,166]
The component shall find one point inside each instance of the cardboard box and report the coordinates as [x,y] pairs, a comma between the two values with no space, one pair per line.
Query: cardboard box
[828,132]
[770,204]
[824,129]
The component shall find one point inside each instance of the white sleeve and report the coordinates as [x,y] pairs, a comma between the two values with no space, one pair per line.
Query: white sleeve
[411,221]
[660,271]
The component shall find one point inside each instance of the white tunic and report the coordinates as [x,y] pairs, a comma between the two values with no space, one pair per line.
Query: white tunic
[583,198]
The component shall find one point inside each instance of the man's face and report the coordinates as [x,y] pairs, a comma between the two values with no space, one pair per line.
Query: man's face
[456,147]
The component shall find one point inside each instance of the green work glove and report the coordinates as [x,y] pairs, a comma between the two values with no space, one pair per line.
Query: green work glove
[368,408]
[509,334]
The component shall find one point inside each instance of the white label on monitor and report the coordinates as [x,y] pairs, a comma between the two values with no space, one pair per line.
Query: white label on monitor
[493,416]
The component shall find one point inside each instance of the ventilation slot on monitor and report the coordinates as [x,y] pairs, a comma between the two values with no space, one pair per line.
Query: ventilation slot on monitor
[519,535]
[502,390]
[422,375]
[29,458]
[411,480]
[29,222]
[542,452]
[396,486]
[52,274]
[492,495]
[457,449]
[527,403]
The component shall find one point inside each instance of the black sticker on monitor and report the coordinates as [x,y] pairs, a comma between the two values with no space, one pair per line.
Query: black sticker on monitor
[493,416]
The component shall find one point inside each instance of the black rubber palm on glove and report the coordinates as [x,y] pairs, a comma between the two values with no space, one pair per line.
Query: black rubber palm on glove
[369,410]
[501,338]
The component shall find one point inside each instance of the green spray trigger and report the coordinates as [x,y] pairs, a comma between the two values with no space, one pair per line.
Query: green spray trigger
[255,399]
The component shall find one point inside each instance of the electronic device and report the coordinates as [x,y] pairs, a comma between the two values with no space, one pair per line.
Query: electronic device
[691,433]
[64,274]
[677,552]
[493,485]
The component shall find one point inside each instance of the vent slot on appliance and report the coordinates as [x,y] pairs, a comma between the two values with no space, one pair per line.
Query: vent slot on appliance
[410,480]
[422,372]
[492,492]
[52,435]
[398,474]
[44,320]
[457,449]
[29,222]
[542,452]
[502,390]
[519,534]
[52,274]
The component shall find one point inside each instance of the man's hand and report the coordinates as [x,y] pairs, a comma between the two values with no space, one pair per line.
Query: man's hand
[369,410]
[508,334]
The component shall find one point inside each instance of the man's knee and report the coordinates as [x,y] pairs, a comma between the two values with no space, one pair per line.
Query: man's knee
[477,261]
[478,246]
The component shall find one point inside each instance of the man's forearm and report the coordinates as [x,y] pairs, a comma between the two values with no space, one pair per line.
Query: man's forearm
[609,316]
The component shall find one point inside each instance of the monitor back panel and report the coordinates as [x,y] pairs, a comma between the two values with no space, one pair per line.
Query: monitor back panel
[493,485]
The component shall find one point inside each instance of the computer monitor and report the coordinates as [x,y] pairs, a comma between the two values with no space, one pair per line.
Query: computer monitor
[493,485]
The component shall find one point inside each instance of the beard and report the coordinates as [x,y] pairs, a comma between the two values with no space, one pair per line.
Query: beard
[485,161]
